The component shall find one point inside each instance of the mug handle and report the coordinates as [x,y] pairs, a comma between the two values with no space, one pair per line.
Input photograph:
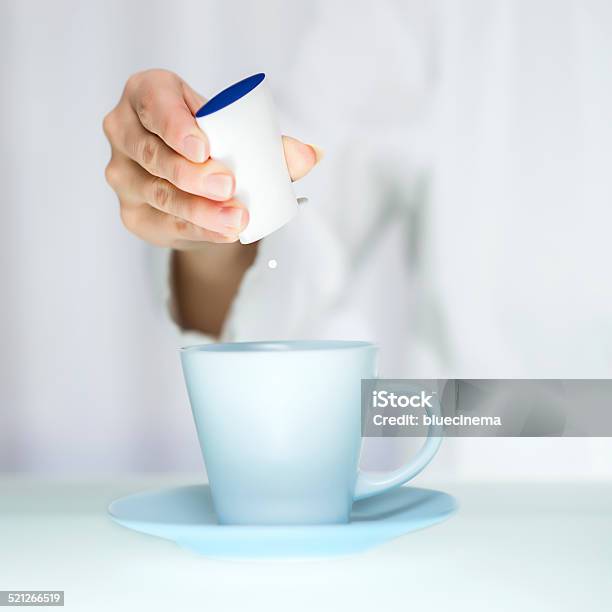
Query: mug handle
[373,483]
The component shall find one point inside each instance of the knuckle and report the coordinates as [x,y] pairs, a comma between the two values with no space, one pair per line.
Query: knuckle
[160,74]
[182,228]
[153,74]
[128,218]
[163,194]
[152,78]
[166,126]
[177,173]
[113,174]
[134,80]
[145,104]
[225,238]
[108,124]
[149,152]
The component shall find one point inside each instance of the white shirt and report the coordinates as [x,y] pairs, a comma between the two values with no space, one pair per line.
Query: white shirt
[461,217]
[479,130]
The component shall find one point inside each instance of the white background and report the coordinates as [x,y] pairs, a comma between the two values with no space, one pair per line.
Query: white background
[90,380]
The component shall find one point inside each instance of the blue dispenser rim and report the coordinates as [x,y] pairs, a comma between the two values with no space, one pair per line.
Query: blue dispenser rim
[231,94]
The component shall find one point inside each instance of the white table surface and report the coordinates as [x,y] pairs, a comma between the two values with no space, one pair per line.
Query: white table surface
[510,547]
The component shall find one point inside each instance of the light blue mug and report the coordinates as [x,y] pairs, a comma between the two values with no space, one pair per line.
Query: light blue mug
[279,424]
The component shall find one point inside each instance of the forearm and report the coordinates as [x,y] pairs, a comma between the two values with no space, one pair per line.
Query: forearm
[205,281]
[171,192]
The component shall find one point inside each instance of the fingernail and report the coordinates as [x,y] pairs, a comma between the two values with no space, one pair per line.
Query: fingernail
[194,148]
[232,217]
[218,186]
[319,153]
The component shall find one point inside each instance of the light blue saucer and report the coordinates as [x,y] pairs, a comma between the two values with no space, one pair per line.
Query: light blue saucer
[186,516]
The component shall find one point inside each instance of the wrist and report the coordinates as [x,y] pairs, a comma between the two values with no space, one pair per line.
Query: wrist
[204,282]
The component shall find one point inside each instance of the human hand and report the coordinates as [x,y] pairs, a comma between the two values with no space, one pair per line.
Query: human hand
[171,193]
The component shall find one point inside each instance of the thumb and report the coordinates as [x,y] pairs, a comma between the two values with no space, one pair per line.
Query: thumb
[158,99]
[193,99]
[301,158]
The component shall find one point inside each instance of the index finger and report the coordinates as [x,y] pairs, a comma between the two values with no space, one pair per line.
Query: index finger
[162,103]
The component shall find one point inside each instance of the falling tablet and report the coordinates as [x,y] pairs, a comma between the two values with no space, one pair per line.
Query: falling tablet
[272,263]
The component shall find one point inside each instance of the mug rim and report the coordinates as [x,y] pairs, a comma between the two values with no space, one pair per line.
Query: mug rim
[278,346]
